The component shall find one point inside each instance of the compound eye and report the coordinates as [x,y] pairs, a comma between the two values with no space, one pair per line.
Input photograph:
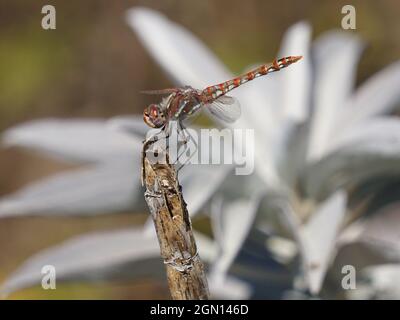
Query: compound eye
[153,110]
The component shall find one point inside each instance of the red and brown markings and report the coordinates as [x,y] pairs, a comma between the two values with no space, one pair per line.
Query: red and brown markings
[263,69]
[210,90]
[214,92]
[237,82]
[211,93]
[250,76]
[286,61]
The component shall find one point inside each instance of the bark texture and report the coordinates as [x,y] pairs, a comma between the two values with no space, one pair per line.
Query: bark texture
[185,271]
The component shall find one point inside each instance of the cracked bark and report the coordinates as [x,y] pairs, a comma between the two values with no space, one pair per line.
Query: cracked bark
[185,270]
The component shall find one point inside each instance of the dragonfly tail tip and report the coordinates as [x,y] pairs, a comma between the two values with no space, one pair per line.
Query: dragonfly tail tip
[296,58]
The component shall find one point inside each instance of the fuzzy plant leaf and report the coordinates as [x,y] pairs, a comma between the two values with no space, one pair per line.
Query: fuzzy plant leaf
[76,140]
[318,238]
[109,255]
[103,188]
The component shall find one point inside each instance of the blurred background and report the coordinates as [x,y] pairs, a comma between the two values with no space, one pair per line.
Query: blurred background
[93,65]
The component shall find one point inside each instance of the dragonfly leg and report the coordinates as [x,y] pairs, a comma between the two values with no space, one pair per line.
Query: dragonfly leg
[188,137]
[185,141]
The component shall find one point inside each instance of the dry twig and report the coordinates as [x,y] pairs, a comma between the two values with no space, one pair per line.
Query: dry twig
[185,271]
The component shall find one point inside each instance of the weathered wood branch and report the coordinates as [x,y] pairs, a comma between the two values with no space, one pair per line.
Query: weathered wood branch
[185,271]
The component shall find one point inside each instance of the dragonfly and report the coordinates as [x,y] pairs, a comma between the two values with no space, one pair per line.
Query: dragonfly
[182,103]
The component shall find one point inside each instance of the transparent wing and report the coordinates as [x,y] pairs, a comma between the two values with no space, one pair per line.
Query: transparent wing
[225,108]
[161,91]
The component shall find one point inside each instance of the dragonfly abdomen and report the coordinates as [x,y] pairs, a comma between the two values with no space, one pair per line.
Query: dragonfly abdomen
[214,92]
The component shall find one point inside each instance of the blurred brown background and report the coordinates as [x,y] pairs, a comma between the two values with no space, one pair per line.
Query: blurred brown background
[93,65]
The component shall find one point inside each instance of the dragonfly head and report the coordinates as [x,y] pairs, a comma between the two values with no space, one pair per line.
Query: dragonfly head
[154,116]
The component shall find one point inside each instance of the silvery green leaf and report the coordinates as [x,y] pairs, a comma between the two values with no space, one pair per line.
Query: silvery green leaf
[371,246]
[383,226]
[291,158]
[103,188]
[200,182]
[92,256]
[370,241]
[295,83]
[119,254]
[379,95]
[73,140]
[233,225]
[369,154]
[207,247]
[318,238]
[229,288]
[133,125]
[233,213]
[379,234]
[335,56]
[374,129]
[383,282]
[180,54]
[291,139]
[283,249]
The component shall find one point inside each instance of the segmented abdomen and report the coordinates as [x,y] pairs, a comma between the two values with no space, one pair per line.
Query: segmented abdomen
[213,92]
